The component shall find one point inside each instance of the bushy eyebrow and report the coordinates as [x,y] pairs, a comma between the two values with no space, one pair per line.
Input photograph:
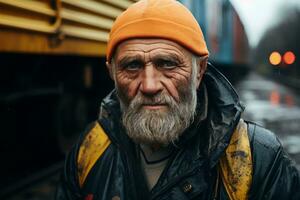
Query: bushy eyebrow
[170,57]
[127,59]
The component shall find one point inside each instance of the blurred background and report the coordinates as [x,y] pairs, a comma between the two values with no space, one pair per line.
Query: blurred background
[53,76]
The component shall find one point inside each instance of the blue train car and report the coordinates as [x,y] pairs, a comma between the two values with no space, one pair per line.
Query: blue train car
[223,30]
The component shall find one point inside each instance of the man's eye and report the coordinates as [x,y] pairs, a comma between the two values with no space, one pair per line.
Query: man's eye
[166,64]
[135,65]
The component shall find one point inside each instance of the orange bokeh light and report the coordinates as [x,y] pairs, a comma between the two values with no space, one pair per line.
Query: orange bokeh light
[275,58]
[289,57]
[275,97]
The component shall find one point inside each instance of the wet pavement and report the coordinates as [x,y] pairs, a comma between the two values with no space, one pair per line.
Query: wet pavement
[274,106]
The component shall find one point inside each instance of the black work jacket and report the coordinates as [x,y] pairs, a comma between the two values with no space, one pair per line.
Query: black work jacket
[192,170]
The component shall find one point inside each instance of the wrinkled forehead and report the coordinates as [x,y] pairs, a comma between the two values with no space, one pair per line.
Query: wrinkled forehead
[146,46]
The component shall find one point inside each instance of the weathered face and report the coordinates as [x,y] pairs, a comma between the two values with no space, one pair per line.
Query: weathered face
[156,84]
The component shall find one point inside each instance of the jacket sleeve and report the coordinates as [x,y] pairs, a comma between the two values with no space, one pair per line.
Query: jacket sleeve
[274,174]
[68,187]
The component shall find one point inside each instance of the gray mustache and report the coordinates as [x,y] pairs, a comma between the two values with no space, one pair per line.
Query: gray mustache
[162,99]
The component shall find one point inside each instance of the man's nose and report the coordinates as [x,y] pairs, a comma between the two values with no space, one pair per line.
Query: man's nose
[150,81]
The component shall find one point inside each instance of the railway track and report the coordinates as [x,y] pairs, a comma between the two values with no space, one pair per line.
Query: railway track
[38,186]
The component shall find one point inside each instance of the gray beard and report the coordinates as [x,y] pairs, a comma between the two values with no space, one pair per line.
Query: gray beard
[156,126]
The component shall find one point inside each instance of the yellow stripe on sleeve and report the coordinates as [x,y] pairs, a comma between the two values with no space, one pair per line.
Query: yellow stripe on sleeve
[236,164]
[93,146]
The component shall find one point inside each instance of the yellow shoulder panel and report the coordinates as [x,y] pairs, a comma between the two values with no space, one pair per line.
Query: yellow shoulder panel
[236,165]
[94,144]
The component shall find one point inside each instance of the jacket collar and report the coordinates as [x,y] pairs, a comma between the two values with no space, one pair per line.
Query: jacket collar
[224,113]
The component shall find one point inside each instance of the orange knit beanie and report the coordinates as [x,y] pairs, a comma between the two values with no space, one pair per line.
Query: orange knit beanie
[165,19]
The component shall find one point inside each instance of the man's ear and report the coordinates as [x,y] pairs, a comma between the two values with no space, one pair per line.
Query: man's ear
[202,65]
[110,70]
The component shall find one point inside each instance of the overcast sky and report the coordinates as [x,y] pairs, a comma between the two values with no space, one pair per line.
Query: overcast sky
[258,15]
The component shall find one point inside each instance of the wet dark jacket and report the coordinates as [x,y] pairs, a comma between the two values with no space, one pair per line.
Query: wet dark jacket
[192,170]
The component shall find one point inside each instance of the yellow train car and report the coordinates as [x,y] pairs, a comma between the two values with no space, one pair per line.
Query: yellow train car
[64,27]
[52,79]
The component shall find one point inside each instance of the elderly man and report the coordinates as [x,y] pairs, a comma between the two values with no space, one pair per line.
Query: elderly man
[171,129]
